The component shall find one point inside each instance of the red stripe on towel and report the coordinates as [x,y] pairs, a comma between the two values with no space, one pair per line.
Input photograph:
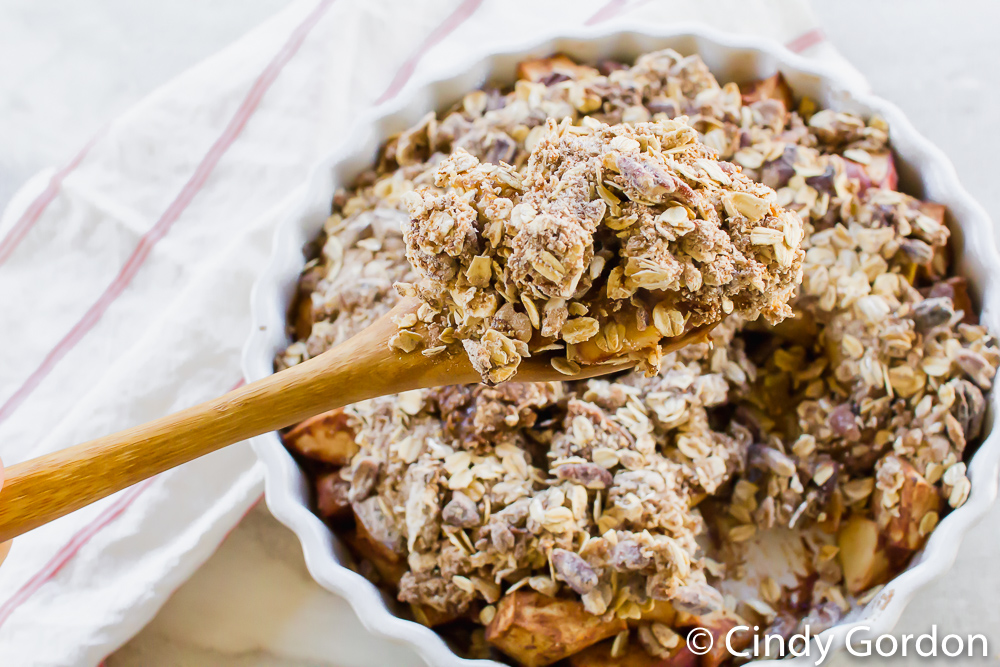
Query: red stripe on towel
[41,202]
[607,12]
[173,212]
[71,548]
[806,40]
[448,26]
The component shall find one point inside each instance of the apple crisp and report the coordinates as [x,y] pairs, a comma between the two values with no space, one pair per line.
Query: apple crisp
[610,238]
[601,521]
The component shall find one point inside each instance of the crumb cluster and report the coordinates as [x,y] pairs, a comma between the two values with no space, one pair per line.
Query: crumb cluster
[626,508]
[607,240]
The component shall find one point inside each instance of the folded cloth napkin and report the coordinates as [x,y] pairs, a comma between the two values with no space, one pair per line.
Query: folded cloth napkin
[125,276]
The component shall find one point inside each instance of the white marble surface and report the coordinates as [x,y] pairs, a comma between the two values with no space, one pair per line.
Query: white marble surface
[253,603]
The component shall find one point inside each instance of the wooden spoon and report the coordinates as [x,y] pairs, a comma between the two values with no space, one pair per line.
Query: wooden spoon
[53,485]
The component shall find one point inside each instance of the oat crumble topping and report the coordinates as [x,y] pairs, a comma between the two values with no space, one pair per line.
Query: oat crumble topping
[608,239]
[602,519]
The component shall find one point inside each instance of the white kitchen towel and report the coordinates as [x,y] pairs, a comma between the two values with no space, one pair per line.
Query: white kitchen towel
[125,277]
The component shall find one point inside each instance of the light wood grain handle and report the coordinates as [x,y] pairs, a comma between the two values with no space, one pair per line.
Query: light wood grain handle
[53,485]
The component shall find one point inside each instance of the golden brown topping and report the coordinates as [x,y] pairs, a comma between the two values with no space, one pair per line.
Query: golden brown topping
[606,229]
[820,427]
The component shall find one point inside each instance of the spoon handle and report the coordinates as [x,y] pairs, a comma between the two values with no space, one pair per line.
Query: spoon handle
[53,485]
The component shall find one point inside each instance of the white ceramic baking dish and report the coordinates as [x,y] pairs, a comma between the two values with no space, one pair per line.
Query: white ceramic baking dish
[924,171]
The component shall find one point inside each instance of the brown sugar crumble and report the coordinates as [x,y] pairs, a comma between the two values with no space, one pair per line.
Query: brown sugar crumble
[601,520]
[609,239]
